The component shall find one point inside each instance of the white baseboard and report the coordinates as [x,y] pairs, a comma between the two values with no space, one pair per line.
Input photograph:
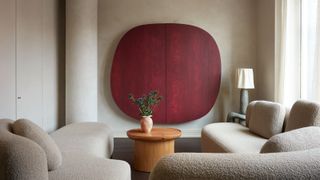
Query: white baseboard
[191,133]
[186,133]
[120,134]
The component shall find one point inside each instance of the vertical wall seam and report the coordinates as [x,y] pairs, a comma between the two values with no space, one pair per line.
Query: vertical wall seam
[300,49]
[15,57]
[97,59]
[44,126]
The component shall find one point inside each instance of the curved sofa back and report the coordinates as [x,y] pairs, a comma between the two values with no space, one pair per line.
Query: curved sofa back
[289,165]
[20,157]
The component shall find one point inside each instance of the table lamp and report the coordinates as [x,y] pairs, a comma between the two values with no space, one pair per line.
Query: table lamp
[245,82]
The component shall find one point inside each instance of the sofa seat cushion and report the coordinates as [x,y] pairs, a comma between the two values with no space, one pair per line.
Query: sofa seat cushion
[231,138]
[295,140]
[303,114]
[83,166]
[30,130]
[89,137]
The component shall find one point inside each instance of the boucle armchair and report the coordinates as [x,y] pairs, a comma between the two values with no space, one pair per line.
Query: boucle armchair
[286,150]
[78,151]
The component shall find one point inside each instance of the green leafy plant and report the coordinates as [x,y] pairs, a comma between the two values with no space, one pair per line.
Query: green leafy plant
[146,102]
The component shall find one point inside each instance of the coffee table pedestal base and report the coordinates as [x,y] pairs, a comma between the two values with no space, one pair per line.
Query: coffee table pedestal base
[148,153]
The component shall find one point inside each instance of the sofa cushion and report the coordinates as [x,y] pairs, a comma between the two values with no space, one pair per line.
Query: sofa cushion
[231,138]
[248,112]
[84,166]
[76,137]
[302,114]
[295,140]
[266,118]
[30,130]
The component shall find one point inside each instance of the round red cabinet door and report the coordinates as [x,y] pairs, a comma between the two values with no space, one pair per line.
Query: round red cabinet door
[181,61]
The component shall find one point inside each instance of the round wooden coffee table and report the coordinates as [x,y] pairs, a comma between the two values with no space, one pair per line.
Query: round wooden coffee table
[149,148]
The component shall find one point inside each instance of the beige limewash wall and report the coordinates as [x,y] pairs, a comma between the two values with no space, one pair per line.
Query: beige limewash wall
[232,23]
[265,78]
[32,57]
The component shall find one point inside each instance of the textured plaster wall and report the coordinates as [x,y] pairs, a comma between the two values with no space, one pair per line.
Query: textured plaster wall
[265,79]
[232,23]
[81,60]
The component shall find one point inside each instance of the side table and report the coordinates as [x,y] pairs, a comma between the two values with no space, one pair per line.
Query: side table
[149,148]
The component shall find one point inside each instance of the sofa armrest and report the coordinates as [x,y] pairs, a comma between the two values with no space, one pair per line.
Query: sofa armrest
[294,140]
[21,158]
[95,138]
[233,115]
[291,165]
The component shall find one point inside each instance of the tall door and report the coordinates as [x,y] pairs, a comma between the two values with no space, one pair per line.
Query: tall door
[7,60]
[32,61]
[29,60]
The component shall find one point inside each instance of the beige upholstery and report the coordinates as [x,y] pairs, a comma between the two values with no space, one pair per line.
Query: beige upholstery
[30,130]
[6,124]
[20,158]
[83,166]
[248,112]
[77,136]
[238,166]
[295,140]
[302,114]
[23,159]
[266,118]
[230,137]
[301,162]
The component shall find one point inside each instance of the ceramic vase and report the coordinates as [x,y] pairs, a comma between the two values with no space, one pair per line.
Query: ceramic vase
[146,124]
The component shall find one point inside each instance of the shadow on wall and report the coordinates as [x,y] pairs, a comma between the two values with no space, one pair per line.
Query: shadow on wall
[219,107]
[242,61]
[61,34]
[229,95]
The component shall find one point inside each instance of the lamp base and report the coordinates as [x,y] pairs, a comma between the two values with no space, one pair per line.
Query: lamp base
[232,116]
[244,100]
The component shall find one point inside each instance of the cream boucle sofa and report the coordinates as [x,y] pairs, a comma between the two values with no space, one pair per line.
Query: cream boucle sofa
[264,119]
[85,148]
[264,152]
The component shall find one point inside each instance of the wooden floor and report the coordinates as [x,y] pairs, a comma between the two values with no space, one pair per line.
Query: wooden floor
[123,149]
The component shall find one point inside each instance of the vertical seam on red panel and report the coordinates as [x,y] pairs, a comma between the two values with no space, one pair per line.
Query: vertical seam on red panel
[166,73]
[208,70]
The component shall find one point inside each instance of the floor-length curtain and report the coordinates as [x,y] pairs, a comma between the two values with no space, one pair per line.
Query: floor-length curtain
[297,63]
[310,60]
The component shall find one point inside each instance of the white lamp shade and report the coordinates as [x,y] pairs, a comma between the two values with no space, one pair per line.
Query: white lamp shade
[245,78]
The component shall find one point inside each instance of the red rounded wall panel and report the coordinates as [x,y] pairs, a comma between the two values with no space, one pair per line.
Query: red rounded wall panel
[181,61]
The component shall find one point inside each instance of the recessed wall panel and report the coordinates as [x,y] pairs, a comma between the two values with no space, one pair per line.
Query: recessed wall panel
[7,60]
